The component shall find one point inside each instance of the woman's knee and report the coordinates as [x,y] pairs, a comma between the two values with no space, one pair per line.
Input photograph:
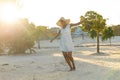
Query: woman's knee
[64,54]
[70,53]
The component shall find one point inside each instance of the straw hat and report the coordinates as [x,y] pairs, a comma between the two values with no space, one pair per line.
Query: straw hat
[67,21]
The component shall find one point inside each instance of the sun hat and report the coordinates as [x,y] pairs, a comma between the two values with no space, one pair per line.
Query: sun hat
[67,21]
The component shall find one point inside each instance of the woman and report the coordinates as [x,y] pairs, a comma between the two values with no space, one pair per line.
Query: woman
[66,44]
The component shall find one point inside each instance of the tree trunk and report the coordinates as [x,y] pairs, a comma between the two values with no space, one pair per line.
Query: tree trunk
[110,41]
[98,43]
[38,41]
[30,50]
[82,36]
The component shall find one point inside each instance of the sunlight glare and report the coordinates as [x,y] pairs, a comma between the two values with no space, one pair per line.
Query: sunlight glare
[9,13]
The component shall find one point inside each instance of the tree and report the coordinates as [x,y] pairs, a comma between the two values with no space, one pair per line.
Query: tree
[22,37]
[41,33]
[116,30]
[94,25]
[38,32]
[92,34]
[107,34]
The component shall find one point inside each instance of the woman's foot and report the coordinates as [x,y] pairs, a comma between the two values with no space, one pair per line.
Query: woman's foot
[71,69]
[74,68]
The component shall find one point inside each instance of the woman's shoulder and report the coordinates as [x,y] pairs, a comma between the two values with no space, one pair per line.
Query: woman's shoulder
[68,25]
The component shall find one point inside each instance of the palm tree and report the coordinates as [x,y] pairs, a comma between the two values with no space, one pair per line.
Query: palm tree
[94,25]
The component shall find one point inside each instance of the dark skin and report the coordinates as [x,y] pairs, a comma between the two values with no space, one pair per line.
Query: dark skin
[67,55]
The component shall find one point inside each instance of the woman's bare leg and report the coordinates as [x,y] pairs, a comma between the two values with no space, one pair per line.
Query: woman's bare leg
[67,59]
[71,59]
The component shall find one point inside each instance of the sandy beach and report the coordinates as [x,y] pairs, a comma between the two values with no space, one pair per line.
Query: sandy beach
[48,63]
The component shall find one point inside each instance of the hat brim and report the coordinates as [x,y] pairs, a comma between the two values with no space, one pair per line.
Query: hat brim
[67,21]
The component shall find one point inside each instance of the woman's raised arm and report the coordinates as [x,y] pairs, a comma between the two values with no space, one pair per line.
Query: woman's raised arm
[55,36]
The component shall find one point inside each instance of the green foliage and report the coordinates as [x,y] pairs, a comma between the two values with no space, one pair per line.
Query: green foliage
[116,30]
[18,37]
[86,24]
[92,34]
[21,36]
[42,32]
[94,24]
[94,21]
[107,33]
[1,50]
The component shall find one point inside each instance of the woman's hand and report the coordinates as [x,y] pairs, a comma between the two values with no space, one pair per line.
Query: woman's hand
[55,36]
[51,40]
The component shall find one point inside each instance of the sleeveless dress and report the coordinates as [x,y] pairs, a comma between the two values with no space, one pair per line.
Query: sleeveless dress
[66,44]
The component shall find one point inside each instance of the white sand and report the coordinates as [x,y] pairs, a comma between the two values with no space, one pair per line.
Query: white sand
[49,64]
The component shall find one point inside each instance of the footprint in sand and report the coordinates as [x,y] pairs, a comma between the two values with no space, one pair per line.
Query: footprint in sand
[6,64]
[17,66]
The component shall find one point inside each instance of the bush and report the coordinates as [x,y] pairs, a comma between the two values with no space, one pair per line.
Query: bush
[20,37]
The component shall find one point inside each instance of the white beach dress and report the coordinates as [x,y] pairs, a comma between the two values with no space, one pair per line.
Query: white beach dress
[66,43]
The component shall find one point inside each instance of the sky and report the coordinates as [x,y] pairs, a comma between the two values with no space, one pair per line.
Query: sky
[47,12]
